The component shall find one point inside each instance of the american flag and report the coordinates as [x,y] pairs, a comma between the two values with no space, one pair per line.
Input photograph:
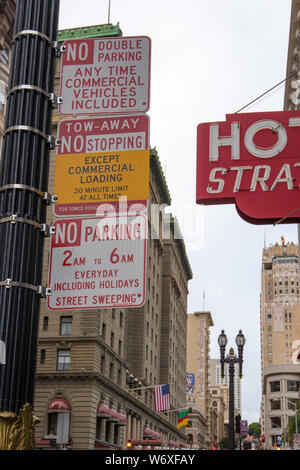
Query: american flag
[162,397]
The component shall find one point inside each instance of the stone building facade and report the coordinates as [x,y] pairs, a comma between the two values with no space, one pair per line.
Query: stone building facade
[198,347]
[281,388]
[216,417]
[90,361]
[279,311]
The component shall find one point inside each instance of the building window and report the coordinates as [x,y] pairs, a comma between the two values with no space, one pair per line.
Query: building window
[111,370]
[103,331]
[120,348]
[63,359]
[45,323]
[121,319]
[3,92]
[102,364]
[275,404]
[275,386]
[112,340]
[43,356]
[275,422]
[292,385]
[107,431]
[291,402]
[269,317]
[52,424]
[4,57]
[65,325]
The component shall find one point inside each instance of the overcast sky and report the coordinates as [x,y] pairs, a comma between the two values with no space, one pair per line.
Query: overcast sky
[209,58]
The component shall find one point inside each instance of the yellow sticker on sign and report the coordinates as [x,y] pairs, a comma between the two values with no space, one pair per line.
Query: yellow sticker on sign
[102,177]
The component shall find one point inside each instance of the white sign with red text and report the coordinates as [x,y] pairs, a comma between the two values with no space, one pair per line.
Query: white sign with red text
[103,134]
[98,263]
[105,76]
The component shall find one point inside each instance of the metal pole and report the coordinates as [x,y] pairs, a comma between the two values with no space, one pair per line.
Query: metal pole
[23,207]
[231,405]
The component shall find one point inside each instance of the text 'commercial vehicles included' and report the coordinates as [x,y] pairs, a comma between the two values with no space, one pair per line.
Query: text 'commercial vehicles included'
[105,76]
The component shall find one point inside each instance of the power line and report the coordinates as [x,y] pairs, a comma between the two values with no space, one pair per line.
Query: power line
[268,91]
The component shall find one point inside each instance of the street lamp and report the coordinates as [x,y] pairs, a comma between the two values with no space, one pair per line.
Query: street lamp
[231,359]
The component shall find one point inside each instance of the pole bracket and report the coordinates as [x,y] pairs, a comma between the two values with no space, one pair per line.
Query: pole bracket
[13,219]
[55,100]
[52,141]
[47,197]
[40,290]
[32,32]
[59,49]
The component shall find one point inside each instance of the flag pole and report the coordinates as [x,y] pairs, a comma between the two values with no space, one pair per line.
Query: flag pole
[178,409]
[149,386]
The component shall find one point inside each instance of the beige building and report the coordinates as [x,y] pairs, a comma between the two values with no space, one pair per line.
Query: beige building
[197,427]
[89,361]
[279,312]
[281,388]
[292,87]
[198,347]
[215,379]
[217,408]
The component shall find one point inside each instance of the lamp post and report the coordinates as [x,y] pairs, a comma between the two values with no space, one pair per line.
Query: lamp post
[231,359]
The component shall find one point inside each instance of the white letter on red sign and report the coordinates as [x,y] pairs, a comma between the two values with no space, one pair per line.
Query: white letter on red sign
[288,177]
[240,170]
[220,182]
[260,179]
[274,126]
[215,142]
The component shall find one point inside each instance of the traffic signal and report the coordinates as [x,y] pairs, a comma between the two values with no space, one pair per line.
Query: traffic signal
[238,424]
[263,439]
[129,444]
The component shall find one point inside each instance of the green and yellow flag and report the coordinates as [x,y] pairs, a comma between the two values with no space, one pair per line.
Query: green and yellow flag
[182,418]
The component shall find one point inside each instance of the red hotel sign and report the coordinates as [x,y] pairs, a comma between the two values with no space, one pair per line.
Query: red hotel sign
[252,160]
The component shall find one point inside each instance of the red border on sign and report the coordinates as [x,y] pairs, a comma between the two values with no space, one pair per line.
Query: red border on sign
[92,40]
[98,306]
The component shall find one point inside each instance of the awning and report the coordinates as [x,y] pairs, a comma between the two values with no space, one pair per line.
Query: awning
[103,411]
[148,432]
[114,416]
[122,420]
[172,443]
[59,404]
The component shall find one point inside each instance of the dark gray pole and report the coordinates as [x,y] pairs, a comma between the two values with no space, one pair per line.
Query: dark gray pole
[231,404]
[23,195]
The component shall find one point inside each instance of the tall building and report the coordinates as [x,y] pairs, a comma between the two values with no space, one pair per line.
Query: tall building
[292,87]
[279,323]
[198,347]
[216,380]
[90,361]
